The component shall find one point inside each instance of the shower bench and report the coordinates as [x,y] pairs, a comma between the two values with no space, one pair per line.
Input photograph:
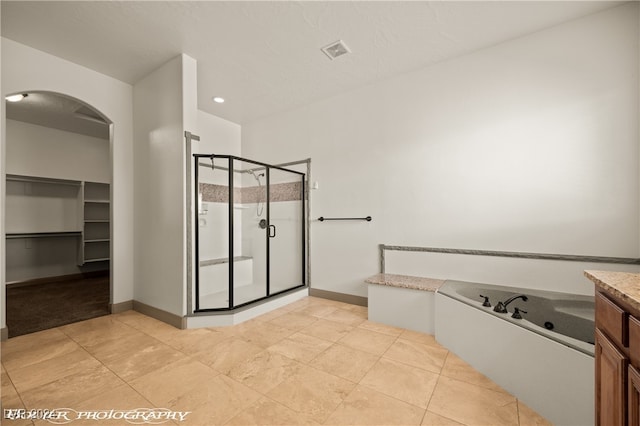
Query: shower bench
[403,301]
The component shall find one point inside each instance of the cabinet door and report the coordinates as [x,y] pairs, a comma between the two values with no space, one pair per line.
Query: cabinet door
[611,386]
[634,397]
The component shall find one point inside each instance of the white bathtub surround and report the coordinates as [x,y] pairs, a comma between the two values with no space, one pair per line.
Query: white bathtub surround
[553,379]
[403,301]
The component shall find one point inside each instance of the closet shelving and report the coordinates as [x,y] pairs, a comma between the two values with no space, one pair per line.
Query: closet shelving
[41,207]
[96,242]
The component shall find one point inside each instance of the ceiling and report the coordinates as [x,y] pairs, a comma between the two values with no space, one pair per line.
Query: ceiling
[264,57]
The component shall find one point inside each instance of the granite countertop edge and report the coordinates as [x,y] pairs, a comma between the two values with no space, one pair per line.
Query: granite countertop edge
[624,285]
[405,281]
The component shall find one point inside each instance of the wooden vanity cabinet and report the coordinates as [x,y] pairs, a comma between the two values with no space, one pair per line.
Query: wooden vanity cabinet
[634,396]
[617,362]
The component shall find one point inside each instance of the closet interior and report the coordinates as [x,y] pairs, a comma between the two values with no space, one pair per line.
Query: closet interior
[57,213]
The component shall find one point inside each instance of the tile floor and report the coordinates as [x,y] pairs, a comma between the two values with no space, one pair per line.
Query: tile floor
[313,362]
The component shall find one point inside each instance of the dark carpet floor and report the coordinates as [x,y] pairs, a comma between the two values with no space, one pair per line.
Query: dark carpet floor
[39,307]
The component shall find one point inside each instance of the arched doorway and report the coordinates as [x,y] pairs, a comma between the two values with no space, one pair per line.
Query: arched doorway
[57,211]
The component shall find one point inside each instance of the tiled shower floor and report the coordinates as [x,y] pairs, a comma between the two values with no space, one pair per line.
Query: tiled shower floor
[312,362]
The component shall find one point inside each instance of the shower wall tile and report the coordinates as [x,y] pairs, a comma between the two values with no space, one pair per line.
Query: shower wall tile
[213,193]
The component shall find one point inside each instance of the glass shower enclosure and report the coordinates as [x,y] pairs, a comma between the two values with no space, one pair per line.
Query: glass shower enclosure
[250,233]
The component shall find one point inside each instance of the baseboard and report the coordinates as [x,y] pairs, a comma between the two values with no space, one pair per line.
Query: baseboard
[4,334]
[116,308]
[59,278]
[339,297]
[164,316]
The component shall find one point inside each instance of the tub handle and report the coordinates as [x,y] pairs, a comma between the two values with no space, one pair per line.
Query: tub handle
[516,313]
[486,301]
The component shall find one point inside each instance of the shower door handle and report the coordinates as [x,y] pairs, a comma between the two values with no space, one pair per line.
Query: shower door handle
[272,227]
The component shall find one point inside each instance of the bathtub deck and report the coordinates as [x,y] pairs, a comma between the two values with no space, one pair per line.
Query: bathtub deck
[405,281]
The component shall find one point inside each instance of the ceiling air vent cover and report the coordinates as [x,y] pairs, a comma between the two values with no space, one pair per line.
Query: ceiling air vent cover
[335,49]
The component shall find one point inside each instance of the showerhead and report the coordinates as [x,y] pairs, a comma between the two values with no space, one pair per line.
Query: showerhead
[253,173]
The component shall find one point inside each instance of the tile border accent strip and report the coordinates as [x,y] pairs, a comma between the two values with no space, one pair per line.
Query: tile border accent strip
[512,254]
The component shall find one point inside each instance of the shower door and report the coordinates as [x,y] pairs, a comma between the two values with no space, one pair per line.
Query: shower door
[250,238]
[286,230]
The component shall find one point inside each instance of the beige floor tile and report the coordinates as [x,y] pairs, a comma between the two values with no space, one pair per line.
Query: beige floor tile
[268,412]
[381,328]
[416,336]
[98,330]
[52,369]
[473,405]
[293,321]
[214,401]
[138,362]
[300,347]
[196,340]
[22,351]
[419,355]
[273,314]
[111,348]
[265,371]
[299,304]
[119,398]
[151,326]
[224,356]
[312,392]
[327,330]
[432,419]
[528,417]
[10,397]
[362,310]
[8,416]
[404,382]
[317,310]
[264,334]
[345,316]
[343,361]
[71,390]
[365,406]
[172,380]
[368,341]
[123,397]
[455,368]
[334,303]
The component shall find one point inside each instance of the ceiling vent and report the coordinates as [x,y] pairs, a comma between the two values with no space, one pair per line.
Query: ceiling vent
[335,49]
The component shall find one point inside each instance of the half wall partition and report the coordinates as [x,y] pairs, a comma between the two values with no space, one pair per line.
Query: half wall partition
[250,237]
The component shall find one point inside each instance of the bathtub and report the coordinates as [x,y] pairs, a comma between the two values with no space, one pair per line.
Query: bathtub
[545,359]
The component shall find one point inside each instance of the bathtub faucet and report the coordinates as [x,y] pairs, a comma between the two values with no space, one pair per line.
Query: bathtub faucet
[501,307]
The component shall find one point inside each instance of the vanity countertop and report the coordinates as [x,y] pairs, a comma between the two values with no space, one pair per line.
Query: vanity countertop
[623,285]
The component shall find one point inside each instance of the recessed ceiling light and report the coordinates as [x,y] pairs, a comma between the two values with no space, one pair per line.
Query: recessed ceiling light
[16,98]
[218,99]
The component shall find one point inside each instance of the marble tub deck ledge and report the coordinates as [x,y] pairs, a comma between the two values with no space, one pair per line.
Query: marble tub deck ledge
[406,281]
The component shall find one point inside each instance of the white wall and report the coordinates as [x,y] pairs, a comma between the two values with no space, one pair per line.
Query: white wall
[222,137]
[34,150]
[530,145]
[161,105]
[217,136]
[25,69]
